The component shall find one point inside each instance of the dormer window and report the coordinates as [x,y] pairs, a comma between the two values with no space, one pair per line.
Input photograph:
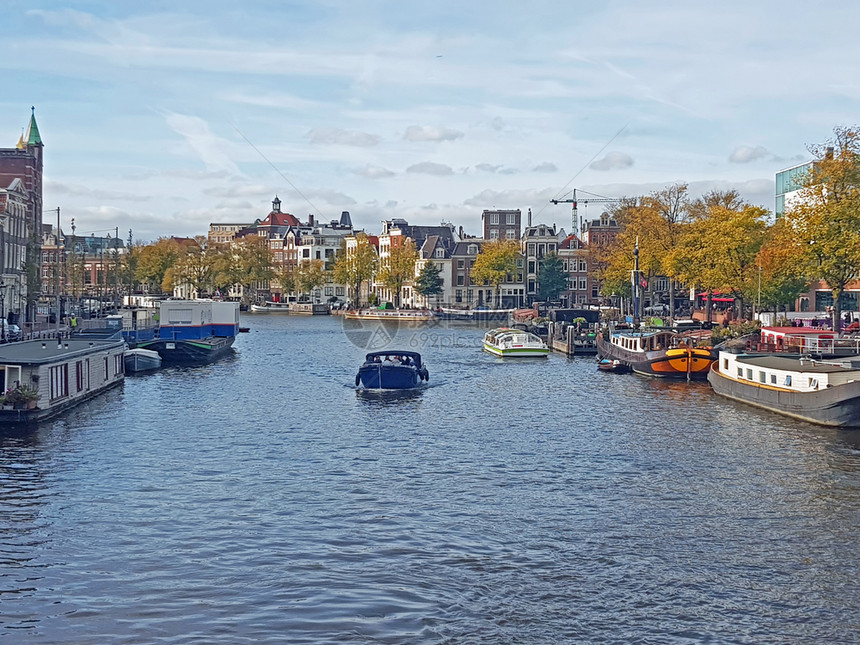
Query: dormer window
[473,249]
[440,253]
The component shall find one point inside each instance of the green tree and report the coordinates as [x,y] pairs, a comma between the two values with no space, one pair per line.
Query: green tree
[552,279]
[496,263]
[430,281]
[399,267]
[311,275]
[825,221]
[356,266]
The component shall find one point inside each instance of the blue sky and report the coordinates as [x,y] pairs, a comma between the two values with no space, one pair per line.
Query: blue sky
[165,116]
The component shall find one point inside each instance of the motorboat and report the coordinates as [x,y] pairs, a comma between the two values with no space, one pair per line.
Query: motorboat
[509,342]
[607,365]
[141,360]
[392,370]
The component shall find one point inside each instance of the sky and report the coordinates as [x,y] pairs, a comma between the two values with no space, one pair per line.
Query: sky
[163,117]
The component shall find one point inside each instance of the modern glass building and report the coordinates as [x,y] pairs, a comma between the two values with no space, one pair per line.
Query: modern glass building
[788,183]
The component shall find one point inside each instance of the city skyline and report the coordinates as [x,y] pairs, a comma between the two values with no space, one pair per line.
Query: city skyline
[166,118]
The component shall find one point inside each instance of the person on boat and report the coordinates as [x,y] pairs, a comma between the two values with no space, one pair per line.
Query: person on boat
[405,360]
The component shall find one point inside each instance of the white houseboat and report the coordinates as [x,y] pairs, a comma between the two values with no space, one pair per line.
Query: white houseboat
[43,378]
[821,391]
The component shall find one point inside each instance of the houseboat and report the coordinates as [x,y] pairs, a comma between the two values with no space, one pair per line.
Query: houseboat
[480,313]
[194,332]
[660,353]
[271,307]
[507,342]
[825,392]
[815,341]
[43,378]
[388,313]
[392,370]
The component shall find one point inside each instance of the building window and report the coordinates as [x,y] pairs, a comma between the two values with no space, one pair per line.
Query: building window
[494,234]
[494,219]
[510,234]
[461,264]
[512,218]
[440,253]
[461,280]
[583,284]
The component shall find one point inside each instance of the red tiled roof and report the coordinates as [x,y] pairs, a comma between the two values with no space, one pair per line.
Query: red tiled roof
[278,218]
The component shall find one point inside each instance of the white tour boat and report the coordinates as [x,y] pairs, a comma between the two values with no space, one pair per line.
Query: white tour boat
[507,342]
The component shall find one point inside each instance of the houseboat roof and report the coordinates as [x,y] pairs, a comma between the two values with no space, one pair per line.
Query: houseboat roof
[797,331]
[793,364]
[48,350]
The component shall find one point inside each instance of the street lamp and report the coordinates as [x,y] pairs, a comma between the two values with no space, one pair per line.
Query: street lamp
[3,311]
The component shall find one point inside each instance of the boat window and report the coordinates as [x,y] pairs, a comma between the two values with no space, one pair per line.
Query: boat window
[749,374]
[725,363]
[740,371]
[762,377]
[813,383]
[788,379]
[773,378]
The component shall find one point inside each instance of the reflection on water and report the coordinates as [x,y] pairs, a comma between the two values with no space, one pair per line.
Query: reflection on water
[266,499]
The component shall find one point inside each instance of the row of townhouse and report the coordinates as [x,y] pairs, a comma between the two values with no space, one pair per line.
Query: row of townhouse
[453,252]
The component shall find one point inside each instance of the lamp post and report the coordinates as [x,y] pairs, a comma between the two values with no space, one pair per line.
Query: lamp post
[2,311]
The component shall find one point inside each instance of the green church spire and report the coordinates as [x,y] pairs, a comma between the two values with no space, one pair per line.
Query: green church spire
[33,137]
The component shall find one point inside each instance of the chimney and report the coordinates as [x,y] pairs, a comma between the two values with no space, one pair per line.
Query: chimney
[828,152]
[310,219]
[530,217]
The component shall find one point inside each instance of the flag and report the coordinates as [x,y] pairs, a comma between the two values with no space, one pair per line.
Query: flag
[643,282]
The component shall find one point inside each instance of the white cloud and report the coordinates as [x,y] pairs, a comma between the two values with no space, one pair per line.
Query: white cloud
[430,168]
[613,161]
[486,167]
[201,140]
[340,137]
[546,166]
[373,172]
[746,154]
[430,133]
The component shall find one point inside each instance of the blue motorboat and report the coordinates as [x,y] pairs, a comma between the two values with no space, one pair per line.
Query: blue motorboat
[392,370]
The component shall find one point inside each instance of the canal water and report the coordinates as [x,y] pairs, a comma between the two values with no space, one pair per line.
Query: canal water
[263,499]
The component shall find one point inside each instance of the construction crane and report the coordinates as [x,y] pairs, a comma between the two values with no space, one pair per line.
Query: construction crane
[576,223]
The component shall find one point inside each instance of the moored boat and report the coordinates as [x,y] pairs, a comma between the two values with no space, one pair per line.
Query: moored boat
[508,342]
[43,378]
[607,365]
[392,370]
[141,360]
[478,313]
[194,332]
[270,307]
[661,353]
[823,392]
[393,315]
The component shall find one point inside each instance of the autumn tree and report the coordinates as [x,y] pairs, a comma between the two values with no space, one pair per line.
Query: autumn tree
[552,279]
[311,275]
[782,275]
[496,263]
[247,263]
[399,267]
[719,250]
[195,266]
[155,261]
[825,221]
[354,267]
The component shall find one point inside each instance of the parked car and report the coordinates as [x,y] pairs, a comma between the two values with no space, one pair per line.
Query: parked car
[10,332]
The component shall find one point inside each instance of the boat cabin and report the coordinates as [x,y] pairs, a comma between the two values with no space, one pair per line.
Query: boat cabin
[645,341]
[796,339]
[797,374]
[394,358]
